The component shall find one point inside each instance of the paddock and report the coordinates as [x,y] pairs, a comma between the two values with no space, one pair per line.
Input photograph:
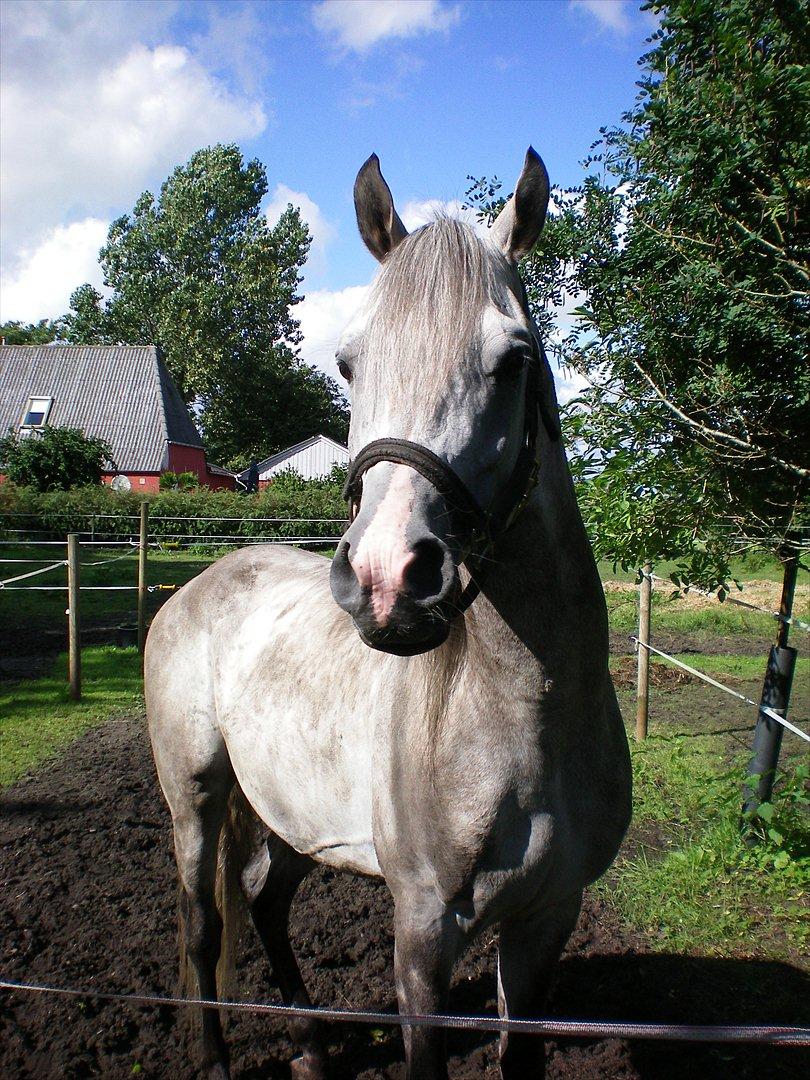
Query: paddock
[88,879]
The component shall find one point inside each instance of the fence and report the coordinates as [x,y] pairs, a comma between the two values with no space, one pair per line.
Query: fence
[164,533]
[772,719]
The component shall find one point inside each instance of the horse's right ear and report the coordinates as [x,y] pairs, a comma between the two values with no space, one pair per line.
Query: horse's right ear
[378,222]
[517,227]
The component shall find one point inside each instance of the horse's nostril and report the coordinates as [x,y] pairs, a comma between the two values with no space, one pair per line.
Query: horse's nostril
[423,578]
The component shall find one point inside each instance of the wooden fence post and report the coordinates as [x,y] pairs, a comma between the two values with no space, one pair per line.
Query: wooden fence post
[643,685]
[142,591]
[74,617]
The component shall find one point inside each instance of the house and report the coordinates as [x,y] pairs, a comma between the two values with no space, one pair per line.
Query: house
[121,393]
[312,459]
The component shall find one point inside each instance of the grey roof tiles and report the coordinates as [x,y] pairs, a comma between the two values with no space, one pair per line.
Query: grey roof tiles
[121,393]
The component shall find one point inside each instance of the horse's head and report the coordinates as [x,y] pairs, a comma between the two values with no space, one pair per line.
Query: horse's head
[448,378]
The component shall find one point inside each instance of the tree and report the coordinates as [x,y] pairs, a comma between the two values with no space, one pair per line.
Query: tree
[17,333]
[200,273]
[54,458]
[687,249]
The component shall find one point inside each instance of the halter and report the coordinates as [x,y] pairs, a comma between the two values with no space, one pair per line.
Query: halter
[482,529]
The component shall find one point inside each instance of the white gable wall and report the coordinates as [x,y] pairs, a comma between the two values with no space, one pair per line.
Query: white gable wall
[311,462]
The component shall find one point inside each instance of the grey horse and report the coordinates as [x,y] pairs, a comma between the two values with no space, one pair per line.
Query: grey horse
[435,708]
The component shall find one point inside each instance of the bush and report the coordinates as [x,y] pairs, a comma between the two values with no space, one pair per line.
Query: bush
[54,458]
[173,514]
[184,481]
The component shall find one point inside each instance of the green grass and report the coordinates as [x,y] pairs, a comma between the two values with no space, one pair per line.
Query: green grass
[756,567]
[109,608]
[673,617]
[686,880]
[38,719]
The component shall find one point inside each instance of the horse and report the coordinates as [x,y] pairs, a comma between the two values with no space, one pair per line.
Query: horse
[434,707]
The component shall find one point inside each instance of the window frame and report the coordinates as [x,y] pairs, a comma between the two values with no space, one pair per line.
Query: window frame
[28,409]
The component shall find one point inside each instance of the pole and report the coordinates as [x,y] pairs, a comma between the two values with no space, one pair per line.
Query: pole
[142,593]
[643,685]
[74,618]
[775,695]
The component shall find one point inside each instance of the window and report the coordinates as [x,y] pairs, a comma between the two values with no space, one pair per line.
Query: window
[36,412]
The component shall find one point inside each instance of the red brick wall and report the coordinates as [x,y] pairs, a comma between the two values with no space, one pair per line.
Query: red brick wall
[139,481]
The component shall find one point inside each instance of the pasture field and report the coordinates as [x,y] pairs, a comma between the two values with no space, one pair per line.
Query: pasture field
[690,924]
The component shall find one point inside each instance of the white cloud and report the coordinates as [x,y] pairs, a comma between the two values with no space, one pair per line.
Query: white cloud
[46,276]
[321,230]
[357,25]
[324,316]
[611,15]
[420,212]
[90,115]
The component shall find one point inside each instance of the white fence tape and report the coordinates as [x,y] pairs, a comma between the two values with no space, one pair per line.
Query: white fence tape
[720,686]
[32,573]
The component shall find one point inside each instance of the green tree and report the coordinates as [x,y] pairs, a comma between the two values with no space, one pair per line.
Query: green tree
[686,251]
[39,333]
[200,273]
[54,458]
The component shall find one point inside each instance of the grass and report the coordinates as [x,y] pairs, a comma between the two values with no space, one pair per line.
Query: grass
[38,718]
[47,608]
[686,880]
[673,616]
[757,566]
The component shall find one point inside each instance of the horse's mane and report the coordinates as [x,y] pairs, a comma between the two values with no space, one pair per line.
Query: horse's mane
[426,309]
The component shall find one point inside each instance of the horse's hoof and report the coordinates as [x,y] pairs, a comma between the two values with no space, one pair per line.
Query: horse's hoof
[307,1067]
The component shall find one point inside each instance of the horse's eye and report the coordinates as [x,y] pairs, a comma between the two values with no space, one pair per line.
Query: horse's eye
[511,363]
[344,370]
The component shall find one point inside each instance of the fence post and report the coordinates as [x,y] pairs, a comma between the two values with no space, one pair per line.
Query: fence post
[142,593]
[74,618]
[775,695]
[643,684]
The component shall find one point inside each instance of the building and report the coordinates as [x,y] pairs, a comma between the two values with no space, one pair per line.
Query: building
[120,393]
[312,459]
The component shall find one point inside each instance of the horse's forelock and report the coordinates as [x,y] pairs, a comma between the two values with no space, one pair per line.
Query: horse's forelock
[426,308]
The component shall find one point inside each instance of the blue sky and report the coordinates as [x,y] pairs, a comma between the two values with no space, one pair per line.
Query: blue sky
[102,98]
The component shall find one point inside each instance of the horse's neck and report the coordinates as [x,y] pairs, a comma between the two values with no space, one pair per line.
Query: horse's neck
[543,578]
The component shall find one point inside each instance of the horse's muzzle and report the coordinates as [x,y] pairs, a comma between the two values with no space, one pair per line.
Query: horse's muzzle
[404,608]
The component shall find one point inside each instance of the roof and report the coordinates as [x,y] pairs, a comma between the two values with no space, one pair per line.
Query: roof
[284,458]
[120,393]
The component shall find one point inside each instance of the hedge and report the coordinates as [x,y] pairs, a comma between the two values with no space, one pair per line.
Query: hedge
[81,510]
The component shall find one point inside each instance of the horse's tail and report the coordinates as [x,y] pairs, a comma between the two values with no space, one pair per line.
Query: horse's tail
[237,839]
[236,846]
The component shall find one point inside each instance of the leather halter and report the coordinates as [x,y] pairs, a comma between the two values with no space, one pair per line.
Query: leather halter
[481,529]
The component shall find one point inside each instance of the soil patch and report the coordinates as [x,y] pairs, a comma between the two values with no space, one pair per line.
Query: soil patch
[87,887]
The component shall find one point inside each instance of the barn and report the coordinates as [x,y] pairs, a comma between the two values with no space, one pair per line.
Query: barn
[312,459]
[121,393]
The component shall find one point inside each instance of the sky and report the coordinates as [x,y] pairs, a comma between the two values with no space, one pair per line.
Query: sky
[101,99]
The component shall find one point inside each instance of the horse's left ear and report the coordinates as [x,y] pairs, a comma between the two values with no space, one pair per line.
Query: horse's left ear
[378,222]
[517,227]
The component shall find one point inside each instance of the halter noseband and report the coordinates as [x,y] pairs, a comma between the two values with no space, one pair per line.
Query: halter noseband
[481,528]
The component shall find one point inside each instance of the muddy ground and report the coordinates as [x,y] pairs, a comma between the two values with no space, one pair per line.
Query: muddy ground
[87,899]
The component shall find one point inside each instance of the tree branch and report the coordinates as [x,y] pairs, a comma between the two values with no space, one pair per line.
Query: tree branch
[715,435]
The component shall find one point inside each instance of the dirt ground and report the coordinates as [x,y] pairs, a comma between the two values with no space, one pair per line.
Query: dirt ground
[87,899]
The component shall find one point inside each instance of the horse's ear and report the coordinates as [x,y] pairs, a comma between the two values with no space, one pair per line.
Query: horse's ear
[377,220]
[517,227]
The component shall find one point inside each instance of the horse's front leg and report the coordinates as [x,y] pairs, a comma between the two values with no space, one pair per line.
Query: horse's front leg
[529,948]
[427,941]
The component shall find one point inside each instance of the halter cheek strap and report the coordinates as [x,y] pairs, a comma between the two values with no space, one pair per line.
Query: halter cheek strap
[481,529]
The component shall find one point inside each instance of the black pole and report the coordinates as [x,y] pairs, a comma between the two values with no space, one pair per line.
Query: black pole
[775,695]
